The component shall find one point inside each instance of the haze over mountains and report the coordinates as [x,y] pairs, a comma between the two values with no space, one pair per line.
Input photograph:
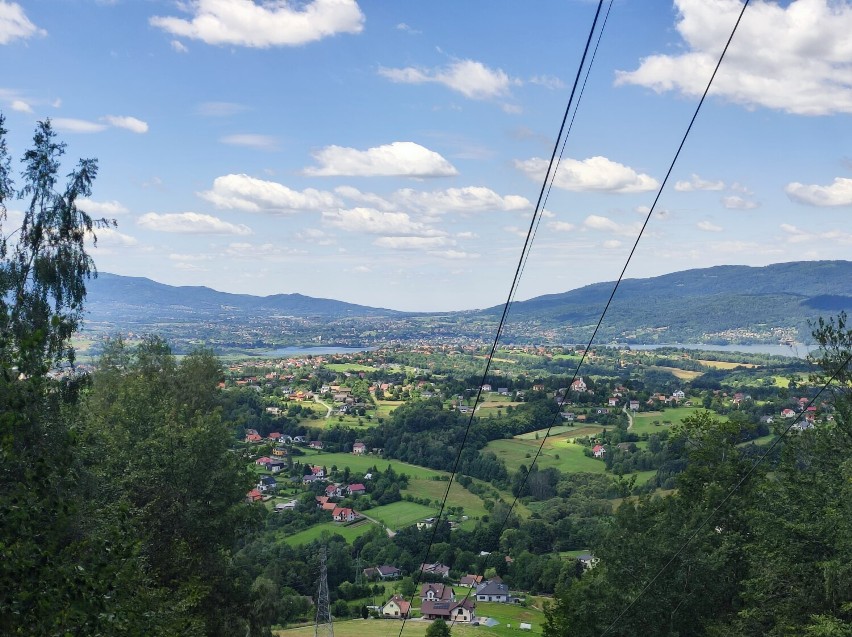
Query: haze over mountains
[718,304]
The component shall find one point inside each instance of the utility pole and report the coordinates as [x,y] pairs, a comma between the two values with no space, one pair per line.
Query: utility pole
[323,626]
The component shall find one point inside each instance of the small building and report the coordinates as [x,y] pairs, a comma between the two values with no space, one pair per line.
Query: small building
[599,451]
[463,611]
[254,496]
[359,448]
[441,570]
[267,483]
[276,466]
[316,444]
[279,451]
[396,608]
[587,560]
[357,489]
[493,591]
[469,581]
[384,572]
[253,438]
[343,514]
[436,592]
[263,461]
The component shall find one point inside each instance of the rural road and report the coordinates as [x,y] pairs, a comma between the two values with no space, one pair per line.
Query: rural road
[319,402]
[629,417]
[375,521]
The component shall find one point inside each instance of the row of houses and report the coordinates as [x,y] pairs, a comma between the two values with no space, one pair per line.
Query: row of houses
[438,601]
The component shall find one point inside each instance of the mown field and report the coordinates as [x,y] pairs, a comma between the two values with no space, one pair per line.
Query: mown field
[459,496]
[643,422]
[558,451]
[363,463]
[348,367]
[350,533]
[401,514]
[725,364]
[680,374]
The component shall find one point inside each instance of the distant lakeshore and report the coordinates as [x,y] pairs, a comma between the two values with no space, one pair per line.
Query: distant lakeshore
[794,350]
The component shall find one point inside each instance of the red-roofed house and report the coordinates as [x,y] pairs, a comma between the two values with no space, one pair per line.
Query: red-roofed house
[274,436]
[316,444]
[359,448]
[254,495]
[396,607]
[253,438]
[357,489]
[263,462]
[343,514]
[599,451]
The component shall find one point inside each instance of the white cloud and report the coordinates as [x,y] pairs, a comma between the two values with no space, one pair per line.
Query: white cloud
[402,26]
[547,81]
[190,223]
[515,230]
[263,25]
[265,251]
[220,109]
[189,257]
[605,224]
[706,226]
[101,208]
[472,79]
[371,221]
[466,200]
[316,236]
[109,237]
[411,243]
[795,57]
[403,159]
[839,193]
[241,192]
[14,23]
[697,183]
[561,226]
[370,199]
[738,203]
[611,244]
[179,46]
[797,235]
[129,123]
[21,106]
[71,125]
[261,142]
[361,268]
[190,267]
[592,174]
[454,255]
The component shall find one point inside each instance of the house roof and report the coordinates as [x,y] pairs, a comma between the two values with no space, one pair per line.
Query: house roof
[404,606]
[387,570]
[493,588]
[439,591]
[467,580]
[445,608]
[357,487]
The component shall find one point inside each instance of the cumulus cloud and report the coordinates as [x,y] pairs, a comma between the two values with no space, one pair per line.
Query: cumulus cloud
[706,226]
[262,25]
[14,23]
[592,174]
[412,243]
[101,208]
[794,57]
[547,81]
[735,202]
[372,200]
[190,223]
[241,192]
[110,237]
[611,244]
[697,183]
[179,46]
[251,140]
[371,221]
[402,26]
[839,193]
[466,200]
[454,255]
[401,159]
[265,251]
[605,224]
[472,79]
[130,123]
[21,106]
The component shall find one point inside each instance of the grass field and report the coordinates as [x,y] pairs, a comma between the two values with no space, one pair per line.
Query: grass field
[401,514]
[365,462]
[643,422]
[459,496]
[555,431]
[350,533]
[680,374]
[348,367]
[725,364]
[385,407]
[571,459]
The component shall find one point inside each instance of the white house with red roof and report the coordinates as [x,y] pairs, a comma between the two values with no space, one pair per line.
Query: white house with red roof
[578,385]
[357,489]
[599,451]
[359,448]
[344,514]
[263,461]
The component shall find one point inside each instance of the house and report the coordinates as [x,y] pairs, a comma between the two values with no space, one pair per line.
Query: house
[599,451]
[279,451]
[310,478]
[602,410]
[387,572]
[679,395]
[328,506]
[436,592]
[316,444]
[253,438]
[357,489]
[493,591]
[263,461]
[359,448]
[788,413]
[440,570]
[318,471]
[333,491]
[587,560]
[578,385]
[267,483]
[274,436]
[503,391]
[613,402]
[538,387]
[486,387]
[463,611]
[321,500]
[634,405]
[568,415]
[254,496]
[286,506]
[299,440]
[276,466]
[343,514]
[396,608]
[469,581]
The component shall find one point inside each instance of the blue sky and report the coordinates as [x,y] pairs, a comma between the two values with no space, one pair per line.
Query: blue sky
[390,153]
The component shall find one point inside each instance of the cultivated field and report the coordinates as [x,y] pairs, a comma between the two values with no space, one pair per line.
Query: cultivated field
[459,496]
[680,374]
[363,463]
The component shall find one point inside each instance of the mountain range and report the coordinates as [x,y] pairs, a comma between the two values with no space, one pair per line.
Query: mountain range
[717,304]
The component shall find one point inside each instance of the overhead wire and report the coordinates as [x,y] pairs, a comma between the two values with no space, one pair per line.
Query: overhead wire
[506,306]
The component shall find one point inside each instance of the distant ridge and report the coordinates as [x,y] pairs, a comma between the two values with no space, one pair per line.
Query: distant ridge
[718,304]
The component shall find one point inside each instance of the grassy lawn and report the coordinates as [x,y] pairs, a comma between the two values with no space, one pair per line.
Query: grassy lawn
[362,463]
[680,374]
[348,367]
[643,422]
[725,364]
[511,614]
[535,435]
[350,533]
[385,407]
[401,514]
[781,381]
[571,459]
[459,496]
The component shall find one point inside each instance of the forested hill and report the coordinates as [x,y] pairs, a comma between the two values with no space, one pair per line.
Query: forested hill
[719,304]
[112,295]
[693,303]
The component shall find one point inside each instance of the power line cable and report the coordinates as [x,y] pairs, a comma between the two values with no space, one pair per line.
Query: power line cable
[727,497]
[506,305]
[627,262]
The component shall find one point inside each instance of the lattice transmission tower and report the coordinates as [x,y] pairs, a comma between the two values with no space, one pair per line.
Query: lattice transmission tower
[323,626]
